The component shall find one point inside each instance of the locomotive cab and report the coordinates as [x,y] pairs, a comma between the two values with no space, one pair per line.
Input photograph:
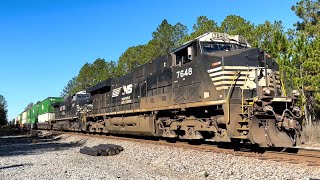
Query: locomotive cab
[239,88]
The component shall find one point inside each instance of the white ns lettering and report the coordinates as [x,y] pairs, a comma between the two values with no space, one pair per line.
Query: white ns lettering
[127,89]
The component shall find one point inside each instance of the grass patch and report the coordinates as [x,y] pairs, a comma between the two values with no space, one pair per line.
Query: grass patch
[312,134]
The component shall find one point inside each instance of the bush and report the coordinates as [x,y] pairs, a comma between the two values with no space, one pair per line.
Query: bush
[312,133]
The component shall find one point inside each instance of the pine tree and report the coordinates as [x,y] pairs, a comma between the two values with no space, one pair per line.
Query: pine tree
[3,110]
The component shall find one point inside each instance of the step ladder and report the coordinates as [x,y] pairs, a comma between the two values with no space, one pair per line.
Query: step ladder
[243,128]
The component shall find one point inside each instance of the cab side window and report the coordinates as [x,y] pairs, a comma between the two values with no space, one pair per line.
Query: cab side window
[186,54]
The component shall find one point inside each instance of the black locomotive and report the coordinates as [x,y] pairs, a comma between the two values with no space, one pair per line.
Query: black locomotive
[214,87]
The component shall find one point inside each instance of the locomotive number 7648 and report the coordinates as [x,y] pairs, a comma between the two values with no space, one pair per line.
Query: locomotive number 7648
[184,73]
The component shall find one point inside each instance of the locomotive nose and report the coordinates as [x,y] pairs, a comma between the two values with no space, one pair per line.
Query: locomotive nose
[276,123]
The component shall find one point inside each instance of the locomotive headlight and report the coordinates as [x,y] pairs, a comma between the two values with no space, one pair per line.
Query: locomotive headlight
[297,111]
[295,93]
[267,108]
[266,91]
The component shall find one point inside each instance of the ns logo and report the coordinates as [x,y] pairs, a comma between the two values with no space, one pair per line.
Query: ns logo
[127,89]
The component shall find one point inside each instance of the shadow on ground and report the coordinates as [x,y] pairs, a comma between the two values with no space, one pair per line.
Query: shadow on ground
[14,166]
[23,145]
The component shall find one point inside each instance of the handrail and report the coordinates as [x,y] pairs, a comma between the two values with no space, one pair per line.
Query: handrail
[283,88]
[242,99]
[228,96]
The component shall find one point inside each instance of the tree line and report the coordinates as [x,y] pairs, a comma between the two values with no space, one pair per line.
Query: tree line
[296,50]
[3,111]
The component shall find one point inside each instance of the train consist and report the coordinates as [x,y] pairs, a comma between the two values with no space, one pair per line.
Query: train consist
[215,87]
[38,114]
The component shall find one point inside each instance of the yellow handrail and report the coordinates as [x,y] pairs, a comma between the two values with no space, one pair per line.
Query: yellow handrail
[283,88]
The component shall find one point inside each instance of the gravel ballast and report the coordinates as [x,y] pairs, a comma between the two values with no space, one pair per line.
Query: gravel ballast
[61,159]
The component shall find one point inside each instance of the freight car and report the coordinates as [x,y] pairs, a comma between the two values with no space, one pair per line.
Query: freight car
[215,87]
[23,120]
[45,112]
[39,114]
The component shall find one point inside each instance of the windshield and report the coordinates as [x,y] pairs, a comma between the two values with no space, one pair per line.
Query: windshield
[83,96]
[208,47]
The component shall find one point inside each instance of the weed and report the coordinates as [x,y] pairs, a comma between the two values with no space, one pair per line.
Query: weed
[312,134]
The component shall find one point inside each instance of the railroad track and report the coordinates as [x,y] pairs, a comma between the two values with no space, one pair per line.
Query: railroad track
[309,157]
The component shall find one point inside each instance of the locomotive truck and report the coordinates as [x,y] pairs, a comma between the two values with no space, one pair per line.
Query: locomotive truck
[215,87]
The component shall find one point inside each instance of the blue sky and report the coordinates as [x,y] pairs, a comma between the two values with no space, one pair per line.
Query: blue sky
[44,43]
